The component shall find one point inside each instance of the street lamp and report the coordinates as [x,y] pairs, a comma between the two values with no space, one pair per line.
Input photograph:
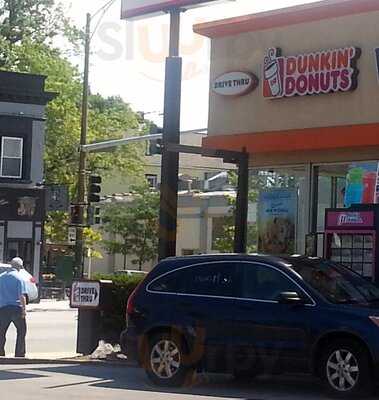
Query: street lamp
[81,194]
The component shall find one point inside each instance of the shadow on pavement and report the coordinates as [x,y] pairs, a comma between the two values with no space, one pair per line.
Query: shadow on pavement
[8,375]
[294,387]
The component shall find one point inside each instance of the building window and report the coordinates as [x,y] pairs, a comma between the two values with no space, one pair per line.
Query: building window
[152,180]
[11,157]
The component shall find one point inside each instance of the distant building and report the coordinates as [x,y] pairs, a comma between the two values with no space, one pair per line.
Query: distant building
[22,200]
[203,202]
[200,218]
[194,170]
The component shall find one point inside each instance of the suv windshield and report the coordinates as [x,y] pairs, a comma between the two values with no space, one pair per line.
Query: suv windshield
[335,282]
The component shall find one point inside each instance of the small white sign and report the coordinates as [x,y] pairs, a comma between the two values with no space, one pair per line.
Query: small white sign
[71,235]
[146,8]
[85,294]
[235,83]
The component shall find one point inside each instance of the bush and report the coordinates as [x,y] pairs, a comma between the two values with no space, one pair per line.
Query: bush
[113,319]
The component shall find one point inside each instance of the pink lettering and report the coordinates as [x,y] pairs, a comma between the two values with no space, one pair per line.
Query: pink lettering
[325,61]
[325,82]
[314,83]
[291,66]
[302,85]
[335,75]
[314,62]
[290,86]
[334,59]
[302,64]
[345,81]
[344,58]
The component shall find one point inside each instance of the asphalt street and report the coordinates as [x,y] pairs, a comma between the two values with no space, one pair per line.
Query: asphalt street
[51,331]
[95,382]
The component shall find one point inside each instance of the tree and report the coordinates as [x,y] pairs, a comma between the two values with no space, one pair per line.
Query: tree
[133,226]
[34,21]
[25,46]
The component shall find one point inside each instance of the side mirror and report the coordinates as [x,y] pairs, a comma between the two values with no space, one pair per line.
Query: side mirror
[291,298]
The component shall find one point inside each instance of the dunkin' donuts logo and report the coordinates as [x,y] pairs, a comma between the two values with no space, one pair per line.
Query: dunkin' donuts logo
[315,73]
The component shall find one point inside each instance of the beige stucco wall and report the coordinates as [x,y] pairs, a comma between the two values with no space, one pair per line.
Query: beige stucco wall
[254,113]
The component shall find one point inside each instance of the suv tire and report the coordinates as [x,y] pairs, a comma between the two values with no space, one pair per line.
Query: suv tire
[345,369]
[165,361]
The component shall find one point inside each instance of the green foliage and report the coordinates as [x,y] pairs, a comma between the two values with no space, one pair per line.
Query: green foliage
[113,320]
[34,21]
[133,226]
[27,30]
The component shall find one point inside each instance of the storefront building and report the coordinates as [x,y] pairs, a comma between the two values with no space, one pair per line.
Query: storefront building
[22,195]
[298,88]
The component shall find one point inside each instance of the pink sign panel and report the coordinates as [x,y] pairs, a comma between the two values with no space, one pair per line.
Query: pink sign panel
[350,219]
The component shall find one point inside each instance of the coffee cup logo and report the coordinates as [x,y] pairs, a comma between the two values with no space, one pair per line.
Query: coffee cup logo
[273,79]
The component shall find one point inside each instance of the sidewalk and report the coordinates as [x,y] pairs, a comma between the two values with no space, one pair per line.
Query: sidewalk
[50,305]
[52,330]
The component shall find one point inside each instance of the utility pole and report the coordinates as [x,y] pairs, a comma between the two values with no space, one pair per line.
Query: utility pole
[171,135]
[81,194]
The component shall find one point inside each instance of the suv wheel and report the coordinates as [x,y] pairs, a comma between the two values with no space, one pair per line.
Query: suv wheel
[345,368]
[165,361]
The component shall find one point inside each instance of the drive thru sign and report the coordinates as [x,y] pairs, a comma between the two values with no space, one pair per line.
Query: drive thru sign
[147,8]
[85,294]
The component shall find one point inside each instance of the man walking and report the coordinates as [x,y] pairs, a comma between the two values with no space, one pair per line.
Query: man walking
[13,306]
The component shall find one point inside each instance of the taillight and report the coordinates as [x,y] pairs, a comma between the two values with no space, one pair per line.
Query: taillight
[130,309]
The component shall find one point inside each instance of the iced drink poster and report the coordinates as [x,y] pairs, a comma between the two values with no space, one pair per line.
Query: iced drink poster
[277,214]
[361,184]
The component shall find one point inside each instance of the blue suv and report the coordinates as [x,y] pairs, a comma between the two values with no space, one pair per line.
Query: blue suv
[253,314]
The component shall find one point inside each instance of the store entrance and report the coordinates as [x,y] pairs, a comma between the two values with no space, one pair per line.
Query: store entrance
[328,191]
[20,248]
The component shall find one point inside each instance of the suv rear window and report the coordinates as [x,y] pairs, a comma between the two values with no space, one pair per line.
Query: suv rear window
[210,279]
[169,283]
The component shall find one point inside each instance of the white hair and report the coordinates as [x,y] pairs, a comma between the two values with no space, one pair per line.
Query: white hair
[17,262]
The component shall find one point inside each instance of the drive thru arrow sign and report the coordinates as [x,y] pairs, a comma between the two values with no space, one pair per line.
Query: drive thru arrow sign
[85,294]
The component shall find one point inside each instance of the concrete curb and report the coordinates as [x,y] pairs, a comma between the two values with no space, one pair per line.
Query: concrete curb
[66,361]
[49,310]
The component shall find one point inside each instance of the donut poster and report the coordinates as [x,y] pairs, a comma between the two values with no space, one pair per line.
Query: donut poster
[322,72]
[277,218]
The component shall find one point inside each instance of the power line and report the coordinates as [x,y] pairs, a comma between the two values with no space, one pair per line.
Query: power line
[102,10]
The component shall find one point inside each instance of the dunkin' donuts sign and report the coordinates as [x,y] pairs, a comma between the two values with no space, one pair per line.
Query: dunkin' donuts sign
[314,73]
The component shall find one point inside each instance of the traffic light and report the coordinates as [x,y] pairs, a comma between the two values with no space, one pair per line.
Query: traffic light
[94,189]
[75,214]
[93,215]
[155,146]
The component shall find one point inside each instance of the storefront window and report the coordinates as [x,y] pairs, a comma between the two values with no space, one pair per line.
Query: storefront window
[331,190]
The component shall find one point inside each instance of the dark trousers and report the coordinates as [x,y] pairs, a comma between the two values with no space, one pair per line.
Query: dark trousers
[13,314]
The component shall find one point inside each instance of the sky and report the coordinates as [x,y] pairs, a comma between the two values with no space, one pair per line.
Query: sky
[128,57]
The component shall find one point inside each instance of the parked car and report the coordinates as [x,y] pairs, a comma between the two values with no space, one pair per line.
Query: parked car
[131,272]
[249,314]
[30,282]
